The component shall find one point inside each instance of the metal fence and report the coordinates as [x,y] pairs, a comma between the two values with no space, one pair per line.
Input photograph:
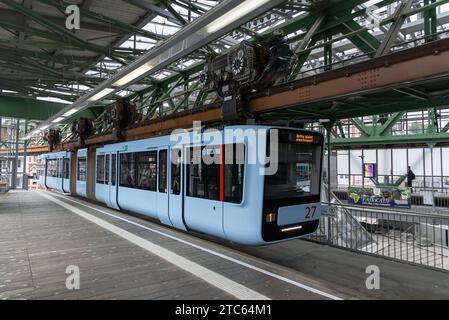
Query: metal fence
[415,238]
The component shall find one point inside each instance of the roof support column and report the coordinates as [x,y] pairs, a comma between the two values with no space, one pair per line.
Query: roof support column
[430,21]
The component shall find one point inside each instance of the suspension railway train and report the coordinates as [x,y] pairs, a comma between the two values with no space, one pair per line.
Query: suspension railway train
[221,189]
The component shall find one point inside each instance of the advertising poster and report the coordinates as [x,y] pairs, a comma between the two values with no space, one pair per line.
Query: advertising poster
[384,197]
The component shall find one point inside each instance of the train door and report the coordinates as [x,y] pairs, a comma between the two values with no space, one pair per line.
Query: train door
[113,182]
[65,175]
[110,190]
[162,194]
[61,174]
[107,179]
[46,172]
[203,206]
[175,201]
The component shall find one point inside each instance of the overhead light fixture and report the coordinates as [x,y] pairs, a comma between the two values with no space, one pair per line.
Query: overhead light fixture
[101,94]
[59,119]
[70,112]
[235,14]
[133,75]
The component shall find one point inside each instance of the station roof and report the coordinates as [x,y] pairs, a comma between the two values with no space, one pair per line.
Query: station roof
[40,58]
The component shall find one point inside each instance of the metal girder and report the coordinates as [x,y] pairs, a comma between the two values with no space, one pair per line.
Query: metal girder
[432,125]
[445,129]
[361,126]
[14,17]
[392,120]
[191,38]
[61,31]
[156,127]
[343,11]
[399,140]
[22,108]
[363,39]
[107,20]
[41,55]
[30,150]
[397,21]
[425,63]
[302,45]
[147,5]
[430,21]
[300,93]
[174,13]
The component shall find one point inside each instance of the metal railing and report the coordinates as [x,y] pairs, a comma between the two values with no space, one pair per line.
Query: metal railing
[420,197]
[414,238]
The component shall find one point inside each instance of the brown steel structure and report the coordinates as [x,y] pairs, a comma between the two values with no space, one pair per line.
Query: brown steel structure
[406,68]
[315,97]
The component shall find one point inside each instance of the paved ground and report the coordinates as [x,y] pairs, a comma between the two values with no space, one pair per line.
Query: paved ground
[126,257]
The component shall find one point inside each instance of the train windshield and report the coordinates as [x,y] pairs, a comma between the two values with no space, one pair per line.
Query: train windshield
[298,167]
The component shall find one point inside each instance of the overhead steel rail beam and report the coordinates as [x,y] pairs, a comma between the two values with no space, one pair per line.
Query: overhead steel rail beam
[34,150]
[216,23]
[401,69]
[427,63]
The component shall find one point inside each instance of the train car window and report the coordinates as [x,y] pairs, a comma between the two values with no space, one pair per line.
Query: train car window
[100,169]
[299,166]
[127,170]
[234,172]
[195,173]
[66,172]
[60,167]
[211,161]
[113,169]
[82,169]
[203,177]
[52,168]
[147,170]
[176,171]
[106,169]
[163,171]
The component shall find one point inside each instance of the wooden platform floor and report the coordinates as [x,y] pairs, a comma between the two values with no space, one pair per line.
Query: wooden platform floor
[126,257]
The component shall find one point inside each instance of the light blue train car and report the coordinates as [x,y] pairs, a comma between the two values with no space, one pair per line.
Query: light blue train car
[238,183]
[217,182]
[57,171]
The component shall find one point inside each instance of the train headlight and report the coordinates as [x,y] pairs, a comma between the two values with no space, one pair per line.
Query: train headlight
[271,217]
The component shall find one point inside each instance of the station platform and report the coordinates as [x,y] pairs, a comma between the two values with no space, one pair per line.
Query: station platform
[120,256]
